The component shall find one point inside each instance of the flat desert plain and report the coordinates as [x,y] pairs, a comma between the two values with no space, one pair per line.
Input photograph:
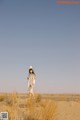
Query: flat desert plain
[41,106]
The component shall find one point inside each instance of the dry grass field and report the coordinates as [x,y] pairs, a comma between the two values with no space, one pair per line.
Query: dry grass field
[41,107]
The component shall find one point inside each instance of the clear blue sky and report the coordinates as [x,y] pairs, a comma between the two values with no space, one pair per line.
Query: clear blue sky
[45,35]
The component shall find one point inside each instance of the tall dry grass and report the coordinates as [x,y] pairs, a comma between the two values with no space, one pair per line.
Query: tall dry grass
[9,105]
[31,109]
[45,110]
[49,110]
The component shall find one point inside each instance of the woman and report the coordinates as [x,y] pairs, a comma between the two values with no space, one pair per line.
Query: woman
[31,81]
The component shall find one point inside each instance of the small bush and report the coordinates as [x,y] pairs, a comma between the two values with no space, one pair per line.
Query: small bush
[1,98]
[38,98]
[8,101]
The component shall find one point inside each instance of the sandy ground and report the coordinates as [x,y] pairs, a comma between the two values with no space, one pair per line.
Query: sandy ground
[68,110]
[67,106]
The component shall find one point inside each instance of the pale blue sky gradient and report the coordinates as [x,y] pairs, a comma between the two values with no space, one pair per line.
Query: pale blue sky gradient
[45,35]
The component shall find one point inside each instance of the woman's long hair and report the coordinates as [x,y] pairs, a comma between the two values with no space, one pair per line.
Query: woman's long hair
[32,71]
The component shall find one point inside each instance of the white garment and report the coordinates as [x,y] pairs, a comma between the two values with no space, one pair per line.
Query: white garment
[31,82]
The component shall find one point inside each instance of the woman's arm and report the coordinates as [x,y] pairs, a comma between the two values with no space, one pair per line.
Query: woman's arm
[28,77]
